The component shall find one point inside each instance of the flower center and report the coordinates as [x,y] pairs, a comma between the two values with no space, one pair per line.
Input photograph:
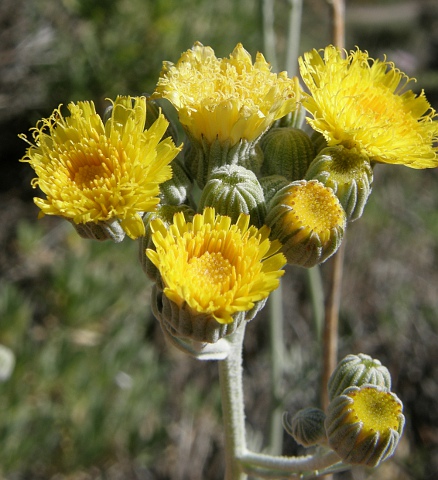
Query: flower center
[89,175]
[347,165]
[377,410]
[211,271]
[316,208]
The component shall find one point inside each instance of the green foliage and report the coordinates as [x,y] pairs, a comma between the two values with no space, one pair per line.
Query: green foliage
[108,48]
[87,386]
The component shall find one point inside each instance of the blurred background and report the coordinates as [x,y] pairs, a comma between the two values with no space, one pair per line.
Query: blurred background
[96,393]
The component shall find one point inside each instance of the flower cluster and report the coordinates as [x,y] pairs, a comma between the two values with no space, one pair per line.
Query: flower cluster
[252,189]
[263,181]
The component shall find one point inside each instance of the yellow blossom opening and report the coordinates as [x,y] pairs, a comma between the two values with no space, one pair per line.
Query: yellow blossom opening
[377,409]
[364,424]
[226,99]
[216,267]
[362,103]
[314,209]
[96,172]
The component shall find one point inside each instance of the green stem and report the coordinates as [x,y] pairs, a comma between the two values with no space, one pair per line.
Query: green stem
[239,461]
[317,298]
[310,466]
[277,350]
[294,35]
[269,40]
[230,377]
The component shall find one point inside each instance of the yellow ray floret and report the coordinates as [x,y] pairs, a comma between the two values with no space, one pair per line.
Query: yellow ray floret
[227,99]
[92,171]
[359,102]
[216,267]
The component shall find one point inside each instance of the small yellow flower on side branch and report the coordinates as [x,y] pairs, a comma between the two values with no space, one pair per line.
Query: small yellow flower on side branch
[214,267]
[308,220]
[227,99]
[92,172]
[364,424]
[361,103]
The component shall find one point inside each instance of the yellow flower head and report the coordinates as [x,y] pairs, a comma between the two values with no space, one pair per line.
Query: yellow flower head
[360,102]
[227,99]
[216,267]
[96,172]
[309,221]
[364,424]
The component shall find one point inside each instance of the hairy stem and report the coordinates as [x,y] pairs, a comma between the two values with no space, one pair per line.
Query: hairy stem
[277,351]
[230,377]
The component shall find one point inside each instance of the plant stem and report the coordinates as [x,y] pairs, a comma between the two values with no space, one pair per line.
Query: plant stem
[277,351]
[338,22]
[331,322]
[268,29]
[330,336]
[316,290]
[239,460]
[294,35]
[230,377]
[309,466]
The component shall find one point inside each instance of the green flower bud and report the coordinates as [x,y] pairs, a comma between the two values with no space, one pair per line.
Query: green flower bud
[306,426]
[348,173]
[307,218]
[287,152]
[271,185]
[364,424]
[203,157]
[183,322]
[109,230]
[176,190]
[166,213]
[233,190]
[357,370]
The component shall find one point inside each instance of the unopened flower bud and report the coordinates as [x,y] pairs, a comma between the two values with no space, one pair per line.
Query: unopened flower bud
[348,173]
[101,230]
[271,185]
[176,190]
[306,426]
[287,152]
[202,157]
[364,424]
[233,190]
[356,370]
[307,218]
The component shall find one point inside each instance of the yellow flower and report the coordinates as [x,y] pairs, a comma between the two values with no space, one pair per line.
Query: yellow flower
[215,267]
[309,221]
[96,172]
[363,103]
[364,424]
[226,99]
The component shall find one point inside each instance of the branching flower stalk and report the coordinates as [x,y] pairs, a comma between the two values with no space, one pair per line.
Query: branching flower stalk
[240,461]
[270,195]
